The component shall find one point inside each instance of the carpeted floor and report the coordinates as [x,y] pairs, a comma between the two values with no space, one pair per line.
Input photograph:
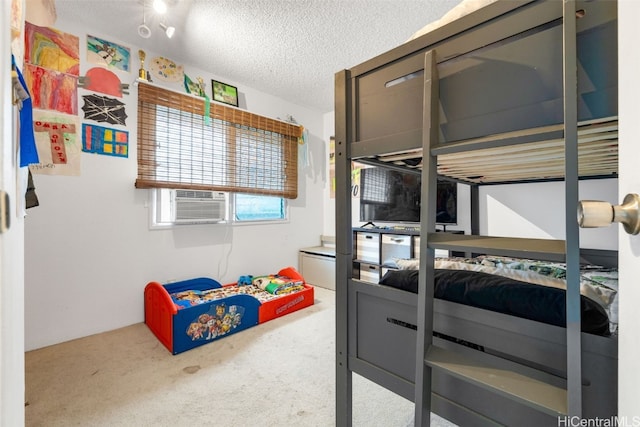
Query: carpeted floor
[280,373]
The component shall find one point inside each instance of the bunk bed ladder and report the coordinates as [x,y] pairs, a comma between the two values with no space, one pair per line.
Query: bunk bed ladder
[344,248]
[536,389]
[572,239]
[427,225]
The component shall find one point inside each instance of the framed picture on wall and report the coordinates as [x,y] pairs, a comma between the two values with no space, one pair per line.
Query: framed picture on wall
[223,92]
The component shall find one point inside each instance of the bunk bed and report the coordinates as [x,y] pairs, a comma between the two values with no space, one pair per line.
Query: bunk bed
[507,92]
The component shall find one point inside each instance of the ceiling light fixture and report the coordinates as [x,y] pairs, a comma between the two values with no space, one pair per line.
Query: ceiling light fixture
[160,6]
[143,30]
[169,31]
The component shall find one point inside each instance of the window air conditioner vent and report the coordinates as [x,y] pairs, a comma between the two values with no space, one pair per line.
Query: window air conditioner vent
[195,206]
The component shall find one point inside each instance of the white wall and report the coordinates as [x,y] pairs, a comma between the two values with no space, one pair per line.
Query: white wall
[537,211]
[329,130]
[88,248]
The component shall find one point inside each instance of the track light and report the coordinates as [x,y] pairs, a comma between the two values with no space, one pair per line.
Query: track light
[169,31]
[143,30]
[160,6]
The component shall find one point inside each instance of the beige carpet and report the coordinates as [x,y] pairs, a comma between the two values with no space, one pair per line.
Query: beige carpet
[280,373]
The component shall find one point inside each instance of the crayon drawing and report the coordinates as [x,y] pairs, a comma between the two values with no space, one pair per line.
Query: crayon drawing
[106,53]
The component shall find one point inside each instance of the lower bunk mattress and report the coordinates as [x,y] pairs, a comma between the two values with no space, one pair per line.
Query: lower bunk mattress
[190,313]
[529,289]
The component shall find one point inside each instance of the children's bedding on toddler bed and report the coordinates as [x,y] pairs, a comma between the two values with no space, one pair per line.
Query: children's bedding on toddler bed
[263,288]
[189,313]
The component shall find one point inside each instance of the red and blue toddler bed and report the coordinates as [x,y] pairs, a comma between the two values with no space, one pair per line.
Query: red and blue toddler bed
[190,313]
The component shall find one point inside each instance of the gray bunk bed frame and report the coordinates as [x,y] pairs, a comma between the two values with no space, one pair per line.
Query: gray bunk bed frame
[529,373]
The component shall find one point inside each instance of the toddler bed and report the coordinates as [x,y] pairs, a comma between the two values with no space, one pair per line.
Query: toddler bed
[187,314]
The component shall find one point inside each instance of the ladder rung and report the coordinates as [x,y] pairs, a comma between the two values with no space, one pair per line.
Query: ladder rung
[516,382]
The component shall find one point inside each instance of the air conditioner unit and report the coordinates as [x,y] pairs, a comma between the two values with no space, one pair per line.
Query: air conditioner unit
[198,206]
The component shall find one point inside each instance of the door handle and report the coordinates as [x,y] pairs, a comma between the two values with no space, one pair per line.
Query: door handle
[595,213]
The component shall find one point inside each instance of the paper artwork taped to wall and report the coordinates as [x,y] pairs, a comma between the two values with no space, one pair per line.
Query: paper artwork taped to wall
[105,141]
[166,70]
[52,90]
[58,145]
[108,54]
[194,87]
[104,81]
[104,109]
[52,68]
[52,49]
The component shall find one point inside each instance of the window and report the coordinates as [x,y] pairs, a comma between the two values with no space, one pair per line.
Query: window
[177,207]
[227,150]
[250,207]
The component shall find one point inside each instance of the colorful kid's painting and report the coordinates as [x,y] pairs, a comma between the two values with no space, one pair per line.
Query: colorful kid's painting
[106,53]
[52,68]
[102,80]
[105,141]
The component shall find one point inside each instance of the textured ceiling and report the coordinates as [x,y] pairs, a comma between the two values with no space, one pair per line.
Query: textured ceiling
[288,48]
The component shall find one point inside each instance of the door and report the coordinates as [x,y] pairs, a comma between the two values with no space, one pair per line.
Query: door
[11,252]
[629,182]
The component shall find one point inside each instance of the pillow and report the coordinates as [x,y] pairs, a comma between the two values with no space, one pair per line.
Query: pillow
[407,264]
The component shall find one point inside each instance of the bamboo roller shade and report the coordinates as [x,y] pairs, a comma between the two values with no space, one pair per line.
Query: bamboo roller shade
[234,151]
[196,105]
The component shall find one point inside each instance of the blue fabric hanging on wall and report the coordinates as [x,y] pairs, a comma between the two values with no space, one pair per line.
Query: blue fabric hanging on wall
[28,150]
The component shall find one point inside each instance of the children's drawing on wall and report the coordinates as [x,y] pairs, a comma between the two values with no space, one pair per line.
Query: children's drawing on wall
[51,90]
[104,81]
[104,109]
[57,142]
[52,49]
[105,141]
[106,53]
[52,68]
[194,87]
[166,70]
